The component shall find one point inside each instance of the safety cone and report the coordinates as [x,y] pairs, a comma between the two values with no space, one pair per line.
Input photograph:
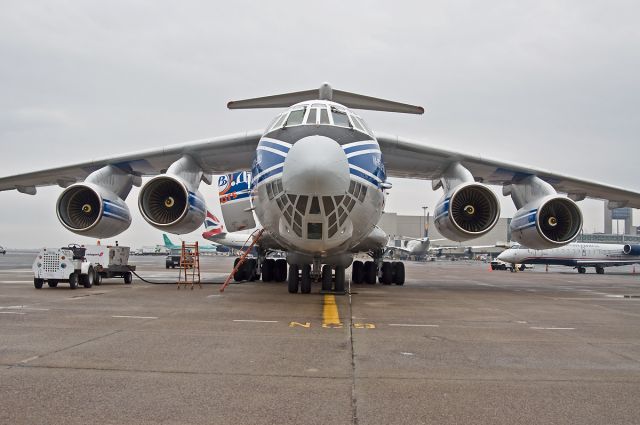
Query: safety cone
[490,269]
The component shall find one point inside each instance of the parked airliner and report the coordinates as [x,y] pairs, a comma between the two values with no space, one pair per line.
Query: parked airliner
[318,187]
[577,255]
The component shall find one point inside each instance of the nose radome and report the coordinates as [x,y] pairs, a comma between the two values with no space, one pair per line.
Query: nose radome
[316,165]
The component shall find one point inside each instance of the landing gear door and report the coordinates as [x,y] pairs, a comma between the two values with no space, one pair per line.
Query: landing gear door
[235,201]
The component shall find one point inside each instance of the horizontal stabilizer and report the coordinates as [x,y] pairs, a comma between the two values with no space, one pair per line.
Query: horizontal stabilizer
[326,92]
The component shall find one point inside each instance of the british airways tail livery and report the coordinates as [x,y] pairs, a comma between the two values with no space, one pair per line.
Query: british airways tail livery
[318,186]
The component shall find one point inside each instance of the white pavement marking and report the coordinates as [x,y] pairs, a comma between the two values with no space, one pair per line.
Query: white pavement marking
[256,321]
[11,312]
[552,329]
[135,317]
[213,296]
[411,325]
[29,359]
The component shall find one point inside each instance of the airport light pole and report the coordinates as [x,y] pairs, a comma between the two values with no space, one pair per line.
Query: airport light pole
[424,217]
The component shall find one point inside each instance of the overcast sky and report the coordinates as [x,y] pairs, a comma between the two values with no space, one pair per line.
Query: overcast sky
[552,84]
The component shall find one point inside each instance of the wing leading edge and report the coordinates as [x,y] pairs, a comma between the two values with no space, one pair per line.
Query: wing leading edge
[218,155]
[412,159]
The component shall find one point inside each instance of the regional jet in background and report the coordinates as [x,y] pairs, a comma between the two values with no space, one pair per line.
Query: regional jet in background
[202,248]
[577,255]
[318,188]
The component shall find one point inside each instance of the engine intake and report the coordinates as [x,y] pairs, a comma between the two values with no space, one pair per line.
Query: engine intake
[468,211]
[551,222]
[89,210]
[167,204]
[631,249]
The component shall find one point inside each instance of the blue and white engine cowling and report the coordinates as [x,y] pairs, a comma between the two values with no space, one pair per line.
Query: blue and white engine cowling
[549,222]
[90,210]
[466,212]
[167,203]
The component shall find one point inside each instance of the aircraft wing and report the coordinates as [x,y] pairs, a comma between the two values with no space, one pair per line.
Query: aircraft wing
[413,159]
[218,155]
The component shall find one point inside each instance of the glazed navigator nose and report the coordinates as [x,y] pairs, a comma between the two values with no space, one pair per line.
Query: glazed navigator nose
[316,165]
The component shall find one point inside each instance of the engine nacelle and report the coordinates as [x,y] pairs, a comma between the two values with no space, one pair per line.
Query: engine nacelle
[91,210]
[468,211]
[631,249]
[549,222]
[167,204]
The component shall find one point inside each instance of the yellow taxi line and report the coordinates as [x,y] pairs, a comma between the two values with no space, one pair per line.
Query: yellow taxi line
[330,315]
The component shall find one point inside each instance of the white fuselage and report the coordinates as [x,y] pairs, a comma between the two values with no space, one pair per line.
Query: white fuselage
[317,180]
[575,254]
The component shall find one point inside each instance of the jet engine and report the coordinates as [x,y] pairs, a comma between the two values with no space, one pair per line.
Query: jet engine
[171,202]
[96,207]
[544,219]
[631,249]
[468,211]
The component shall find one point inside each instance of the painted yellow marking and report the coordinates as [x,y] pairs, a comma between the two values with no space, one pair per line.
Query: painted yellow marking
[298,324]
[330,315]
[364,326]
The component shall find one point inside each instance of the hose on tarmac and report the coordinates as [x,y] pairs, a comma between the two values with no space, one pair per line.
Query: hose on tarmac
[175,282]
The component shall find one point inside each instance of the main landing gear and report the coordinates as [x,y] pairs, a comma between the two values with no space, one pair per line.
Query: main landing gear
[272,270]
[300,277]
[367,272]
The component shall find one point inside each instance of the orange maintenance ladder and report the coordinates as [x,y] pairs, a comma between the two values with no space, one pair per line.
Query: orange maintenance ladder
[243,257]
[189,265]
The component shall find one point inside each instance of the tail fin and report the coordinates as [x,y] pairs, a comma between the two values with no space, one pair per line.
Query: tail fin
[326,92]
[213,226]
[167,241]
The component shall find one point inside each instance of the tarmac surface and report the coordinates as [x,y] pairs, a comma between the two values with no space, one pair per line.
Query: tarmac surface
[457,344]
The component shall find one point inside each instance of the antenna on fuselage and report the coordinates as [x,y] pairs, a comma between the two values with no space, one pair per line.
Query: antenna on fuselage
[326,92]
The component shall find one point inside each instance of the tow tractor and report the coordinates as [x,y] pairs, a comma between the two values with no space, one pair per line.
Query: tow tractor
[84,265]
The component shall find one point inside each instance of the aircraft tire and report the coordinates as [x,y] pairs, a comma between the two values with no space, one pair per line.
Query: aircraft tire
[250,267]
[73,280]
[339,285]
[398,273]
[326,277]
[370,272]
[239,276]
[52,283]
[37,283]
[357,272]
[387,273]
[582,270]
[305,279]
[281,270]
[267,270]
[600,270]
[294,281]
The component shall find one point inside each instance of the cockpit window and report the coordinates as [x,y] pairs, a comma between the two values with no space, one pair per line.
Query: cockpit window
[278,122]
[340,118]
[295,117]
[324,116]
[357,124]
[311,118]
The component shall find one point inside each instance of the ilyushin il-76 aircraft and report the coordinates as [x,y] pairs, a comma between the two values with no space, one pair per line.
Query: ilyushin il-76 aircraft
[318,185]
